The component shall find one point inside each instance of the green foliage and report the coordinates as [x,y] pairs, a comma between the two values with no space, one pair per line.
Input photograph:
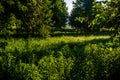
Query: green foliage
[25,16]
[55,68]
[71,58]
[81,14]
[45,31]
[93,15]
[27,71]
[106,14]
[59,58]
[1,8]
[21,71]
[60,13]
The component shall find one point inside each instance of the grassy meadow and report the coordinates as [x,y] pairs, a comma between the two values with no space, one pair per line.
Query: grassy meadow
[60,58]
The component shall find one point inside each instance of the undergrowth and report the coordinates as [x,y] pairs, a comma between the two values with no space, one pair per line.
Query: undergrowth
[64,58]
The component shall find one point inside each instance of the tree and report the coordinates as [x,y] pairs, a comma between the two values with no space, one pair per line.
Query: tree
[8,19]
[60,13]
[81,14]
[28,15]
[114,16]
[107,14]
[99,16]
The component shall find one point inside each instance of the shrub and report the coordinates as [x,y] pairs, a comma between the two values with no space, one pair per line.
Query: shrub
[45,31]
[55,68]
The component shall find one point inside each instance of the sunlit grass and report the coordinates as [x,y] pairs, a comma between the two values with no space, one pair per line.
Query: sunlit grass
[36,43]
[81,54]
[75,39]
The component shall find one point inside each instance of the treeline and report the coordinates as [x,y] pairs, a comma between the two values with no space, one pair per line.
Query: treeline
[40,17]
[31,17]
[92,15]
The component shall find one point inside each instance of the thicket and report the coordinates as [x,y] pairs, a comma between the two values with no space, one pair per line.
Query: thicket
[87,60]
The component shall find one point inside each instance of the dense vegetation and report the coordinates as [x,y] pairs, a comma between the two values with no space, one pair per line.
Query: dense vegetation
[92,15]
[61,58]
[35,44]
[31,17]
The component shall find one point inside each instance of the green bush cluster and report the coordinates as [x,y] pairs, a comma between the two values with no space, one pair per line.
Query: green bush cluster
[100,62]
[63,61]
[48,68]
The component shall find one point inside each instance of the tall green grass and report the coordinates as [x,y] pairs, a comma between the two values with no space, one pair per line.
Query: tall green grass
[38,43]
[61,58]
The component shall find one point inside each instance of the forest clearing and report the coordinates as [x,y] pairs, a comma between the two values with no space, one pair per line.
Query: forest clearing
[41,40]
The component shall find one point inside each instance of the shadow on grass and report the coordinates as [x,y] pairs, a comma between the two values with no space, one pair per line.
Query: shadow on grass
[73,50]
[68,50]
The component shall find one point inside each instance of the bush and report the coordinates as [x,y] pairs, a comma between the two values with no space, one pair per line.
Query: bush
[10,69]
[55,68]
[45,31]
[97,62]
